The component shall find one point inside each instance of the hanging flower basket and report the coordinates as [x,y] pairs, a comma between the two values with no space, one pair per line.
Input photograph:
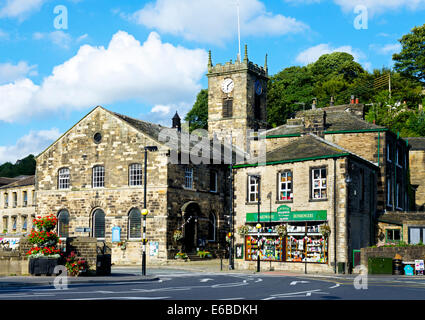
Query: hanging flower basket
[325,230]
[243,230]
[282,230]
[177,235]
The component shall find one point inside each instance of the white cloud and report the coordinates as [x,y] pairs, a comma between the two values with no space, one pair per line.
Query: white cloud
[163,114]
[32,143]
[379,6]
[154,72]
[19,9]
[59,38]
[311,55]
[10,72]
[214,21]
[386,49]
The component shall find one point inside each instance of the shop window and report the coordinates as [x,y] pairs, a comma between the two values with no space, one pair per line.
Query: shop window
[393,235]
[135,224]
[99,224]
[98,177]
[188,178]
[306,245]
[285,186]
[252,189]
[63,223]
[135,174]
[318,183]
[63,178]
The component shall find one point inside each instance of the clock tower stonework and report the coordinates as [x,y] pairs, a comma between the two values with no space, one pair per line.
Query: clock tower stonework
[236,99]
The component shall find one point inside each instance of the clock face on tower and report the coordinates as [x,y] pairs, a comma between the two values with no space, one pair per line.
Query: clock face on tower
[227,85]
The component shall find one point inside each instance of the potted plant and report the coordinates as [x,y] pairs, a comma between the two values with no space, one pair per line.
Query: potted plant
[44,255]
[75,265]
[181,255]
[122,245]
[177,236]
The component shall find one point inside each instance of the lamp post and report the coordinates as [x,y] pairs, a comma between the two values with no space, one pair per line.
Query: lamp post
[145,211]
[258,226]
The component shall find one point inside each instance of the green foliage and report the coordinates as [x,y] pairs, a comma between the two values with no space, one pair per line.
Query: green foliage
[198,116]
[411,60]
[204,254]
[25,166]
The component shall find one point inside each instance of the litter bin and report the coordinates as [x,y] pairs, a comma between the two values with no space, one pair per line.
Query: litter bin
[340,267]
[397,267]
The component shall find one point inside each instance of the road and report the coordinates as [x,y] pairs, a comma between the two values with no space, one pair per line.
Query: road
[190,285]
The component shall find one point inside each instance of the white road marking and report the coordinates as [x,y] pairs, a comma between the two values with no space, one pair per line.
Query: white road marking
[293,283]
[259,280]
[101,291]
[232,299]
[206,280]
[123,298]
[335,286]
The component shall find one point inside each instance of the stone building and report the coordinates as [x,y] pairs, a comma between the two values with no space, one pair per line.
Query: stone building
[305,184]
[92,178]
[17,205]
[417,171]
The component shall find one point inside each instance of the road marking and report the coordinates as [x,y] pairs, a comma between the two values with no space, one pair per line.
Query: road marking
[100,291]
[259,280]
[123,298]
[335,286]
[232,299]
[206,280]
[293,283]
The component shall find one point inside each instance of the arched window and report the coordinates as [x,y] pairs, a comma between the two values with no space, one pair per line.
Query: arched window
[63,223]
[98,224]
[212,225]
[134,224]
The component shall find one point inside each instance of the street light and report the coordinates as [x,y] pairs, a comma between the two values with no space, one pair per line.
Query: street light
[258,226]
[145,211]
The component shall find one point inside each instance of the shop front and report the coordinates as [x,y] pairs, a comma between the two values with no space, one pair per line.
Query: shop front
[287,236]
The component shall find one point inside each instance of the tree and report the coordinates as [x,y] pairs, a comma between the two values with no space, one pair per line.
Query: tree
[411,60]
[25,166]
[198,115]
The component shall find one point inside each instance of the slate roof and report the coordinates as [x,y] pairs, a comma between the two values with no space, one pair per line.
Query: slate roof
[400,217]
[151,129]
[26,181]
[5,180]
[417,143]
[336,120]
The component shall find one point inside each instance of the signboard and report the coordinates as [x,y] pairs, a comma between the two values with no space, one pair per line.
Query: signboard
[239,251]
[419,266]
[153,248]
[9,243]
[116,234]
[408,270]
[285,214]
[82,229]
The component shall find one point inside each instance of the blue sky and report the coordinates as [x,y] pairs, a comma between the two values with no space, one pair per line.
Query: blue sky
[147,59]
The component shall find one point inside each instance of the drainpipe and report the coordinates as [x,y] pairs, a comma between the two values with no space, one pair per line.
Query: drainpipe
[334,215]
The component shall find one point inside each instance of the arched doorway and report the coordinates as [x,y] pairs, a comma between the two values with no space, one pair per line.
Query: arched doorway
[191,212]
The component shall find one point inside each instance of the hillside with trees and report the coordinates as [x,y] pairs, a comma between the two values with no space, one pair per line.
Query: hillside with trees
[25,166]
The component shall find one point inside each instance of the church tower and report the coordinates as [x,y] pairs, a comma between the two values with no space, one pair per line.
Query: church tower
[236,99]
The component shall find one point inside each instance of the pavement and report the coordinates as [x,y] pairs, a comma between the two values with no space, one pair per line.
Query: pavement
[133,273]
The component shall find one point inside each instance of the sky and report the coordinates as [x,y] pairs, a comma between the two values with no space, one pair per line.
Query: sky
[148,59]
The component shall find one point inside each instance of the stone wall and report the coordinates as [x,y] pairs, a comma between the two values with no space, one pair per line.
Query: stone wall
[12,263]
[408,254]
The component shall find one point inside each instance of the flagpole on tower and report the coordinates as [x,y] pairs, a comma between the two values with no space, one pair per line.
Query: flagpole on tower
[239,31]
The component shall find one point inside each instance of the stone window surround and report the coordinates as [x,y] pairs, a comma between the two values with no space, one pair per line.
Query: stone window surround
[64,178]
[135,175]
[60,222]
[278,185]
[311,183]
[99,210]
[129,222]
[98,176]
[248,188]
[188,178]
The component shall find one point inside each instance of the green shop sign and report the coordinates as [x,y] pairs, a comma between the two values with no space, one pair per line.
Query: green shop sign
[285,214]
